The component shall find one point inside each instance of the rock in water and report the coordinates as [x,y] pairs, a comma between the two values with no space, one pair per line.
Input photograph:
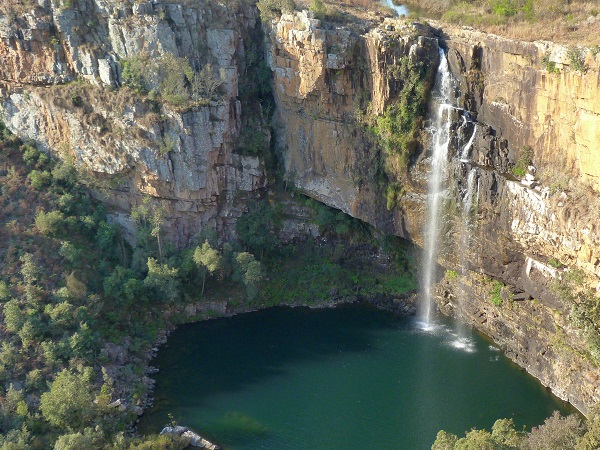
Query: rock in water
[195,439]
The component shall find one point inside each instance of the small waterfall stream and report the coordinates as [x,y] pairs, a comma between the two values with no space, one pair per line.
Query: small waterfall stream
[466,224]
[442,96]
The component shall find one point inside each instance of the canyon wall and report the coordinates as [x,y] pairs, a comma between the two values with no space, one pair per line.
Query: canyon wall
[528,228]
[61,86]
[324,79]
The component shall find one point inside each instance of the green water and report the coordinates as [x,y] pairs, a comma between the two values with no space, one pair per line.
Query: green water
[346,378]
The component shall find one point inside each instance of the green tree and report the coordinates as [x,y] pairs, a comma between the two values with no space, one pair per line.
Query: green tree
[51,223]
[208,259]
[13,316]
[89,439]
[250,272]
[176,76]
[256,228]
[591,439]
[504,433]
[68,404]
[4,291]
[135,72]
[29,272]
[444,441]
[477,440]
[163,280]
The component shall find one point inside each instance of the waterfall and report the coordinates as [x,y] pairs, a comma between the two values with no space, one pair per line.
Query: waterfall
[464,155]
[469,201]
[442,96]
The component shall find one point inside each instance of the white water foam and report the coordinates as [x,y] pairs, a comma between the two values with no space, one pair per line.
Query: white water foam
[449,336]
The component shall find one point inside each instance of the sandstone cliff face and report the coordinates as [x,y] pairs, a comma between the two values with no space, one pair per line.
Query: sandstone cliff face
[519,230]
[324,78]
[510,87]
[184,161]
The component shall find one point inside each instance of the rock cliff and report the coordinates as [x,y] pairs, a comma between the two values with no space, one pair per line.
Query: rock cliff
[534,170]
[324,79]
[529,104]
[61,87]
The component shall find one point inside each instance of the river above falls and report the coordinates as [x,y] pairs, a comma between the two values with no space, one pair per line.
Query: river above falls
[401,10]
[345,378]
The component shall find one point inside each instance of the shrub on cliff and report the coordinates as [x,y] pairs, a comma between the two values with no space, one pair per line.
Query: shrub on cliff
[271,8]
[170,77]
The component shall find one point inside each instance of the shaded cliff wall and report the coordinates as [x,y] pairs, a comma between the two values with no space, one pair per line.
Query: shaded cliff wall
[184,160]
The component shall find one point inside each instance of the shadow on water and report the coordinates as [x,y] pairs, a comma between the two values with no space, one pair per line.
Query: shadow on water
[277,336]
[329,378]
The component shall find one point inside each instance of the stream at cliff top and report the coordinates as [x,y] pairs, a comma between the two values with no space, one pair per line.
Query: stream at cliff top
[345,378]
[401,10]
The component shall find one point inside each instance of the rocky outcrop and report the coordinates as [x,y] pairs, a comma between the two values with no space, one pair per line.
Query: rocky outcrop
[185,161]
[195,440]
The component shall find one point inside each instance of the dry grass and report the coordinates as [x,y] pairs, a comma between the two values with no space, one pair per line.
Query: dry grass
[574,22]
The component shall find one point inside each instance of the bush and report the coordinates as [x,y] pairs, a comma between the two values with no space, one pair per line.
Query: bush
[271,8]
[76,441]
[318,8]
[50,223]
[135,72]
[506,8]
[496,298]
[576,59]
[550,66]
[39,179]
[524,161]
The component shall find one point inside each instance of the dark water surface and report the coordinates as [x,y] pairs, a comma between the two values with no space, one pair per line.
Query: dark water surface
[346,378]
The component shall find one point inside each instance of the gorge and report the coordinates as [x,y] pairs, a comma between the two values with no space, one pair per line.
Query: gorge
[195,112]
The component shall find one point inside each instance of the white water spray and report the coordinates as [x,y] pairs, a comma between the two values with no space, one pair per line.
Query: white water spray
[442,95]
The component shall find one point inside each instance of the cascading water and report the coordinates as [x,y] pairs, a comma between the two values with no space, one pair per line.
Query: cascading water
[464,155]
[442,96]
[468,202]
